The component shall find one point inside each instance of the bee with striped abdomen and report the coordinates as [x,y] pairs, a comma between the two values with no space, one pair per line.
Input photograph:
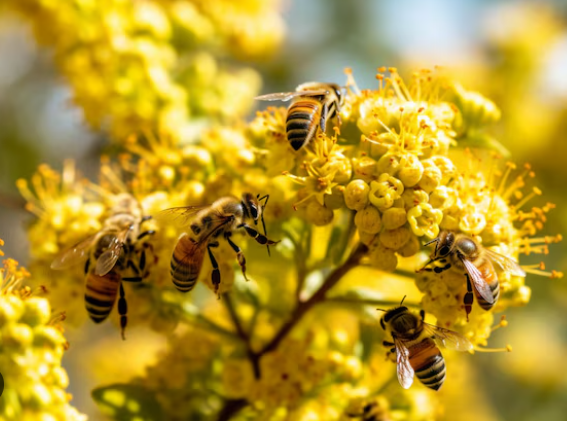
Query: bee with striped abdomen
[114,254]
[375,409]
[414,345]
[312,105]
[207,225]
[465,254]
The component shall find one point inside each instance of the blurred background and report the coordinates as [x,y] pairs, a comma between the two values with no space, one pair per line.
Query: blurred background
[513,52]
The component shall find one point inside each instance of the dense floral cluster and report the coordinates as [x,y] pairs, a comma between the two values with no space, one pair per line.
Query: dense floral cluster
[391,177]
[31,352]
[157,65]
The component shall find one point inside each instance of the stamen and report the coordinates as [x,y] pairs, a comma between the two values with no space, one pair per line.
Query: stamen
[482,349]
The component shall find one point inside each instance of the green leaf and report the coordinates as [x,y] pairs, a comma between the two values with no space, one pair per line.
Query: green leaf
[475,139]
[128,402]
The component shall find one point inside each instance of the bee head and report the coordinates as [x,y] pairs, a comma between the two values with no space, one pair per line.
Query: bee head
[255,208]
[338,92]
[252,206]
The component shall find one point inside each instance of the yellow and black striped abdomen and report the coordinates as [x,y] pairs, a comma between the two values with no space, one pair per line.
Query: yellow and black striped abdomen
[186,263]
[303,117]
[100,294]
[428,363]
[489,275]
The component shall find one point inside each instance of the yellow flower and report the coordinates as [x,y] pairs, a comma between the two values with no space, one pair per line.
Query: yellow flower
[147,65]
[30,357]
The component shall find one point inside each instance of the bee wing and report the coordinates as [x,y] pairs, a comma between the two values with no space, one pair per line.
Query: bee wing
[478,281]
[448,338]
[75,254]
[286,96]
[506,263]
[404,368]
[180,216]
[108,259]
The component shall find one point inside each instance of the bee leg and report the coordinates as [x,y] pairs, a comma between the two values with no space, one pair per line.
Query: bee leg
[130,264]
[260,238]
[468,299]
[422,314]
[239,254]
[142,263]
[215,276]
[323,119]
[145,233]
[387,344]
[146,218]
[87,265]
[123,311]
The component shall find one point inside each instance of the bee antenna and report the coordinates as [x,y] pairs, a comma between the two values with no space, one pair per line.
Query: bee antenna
[265,198]
[379,309]
[403,300]
[435,240]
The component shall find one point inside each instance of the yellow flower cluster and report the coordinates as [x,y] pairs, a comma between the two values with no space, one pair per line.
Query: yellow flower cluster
[31,352]
[156,65]
[395,175]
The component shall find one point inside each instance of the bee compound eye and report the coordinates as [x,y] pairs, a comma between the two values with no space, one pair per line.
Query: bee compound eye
[443,251]
[254,212]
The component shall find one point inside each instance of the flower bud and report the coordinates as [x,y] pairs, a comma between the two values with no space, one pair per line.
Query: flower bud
[36,311]
[47,337]
[356,194]
[39,397]
[16,335]
[424,220]
[411,170]
[317,214]
[472,222]
[385,191]
[431,176]
[383,258]
[368,220]
[443,197]
[336,199]
[414,197]
[364,168]
[446,166]
[394,218]
[390,163]
[11,309]
[396,238]
[411,248]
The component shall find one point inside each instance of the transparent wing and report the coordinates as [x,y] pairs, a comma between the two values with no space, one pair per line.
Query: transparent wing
[179,216]
[448,338]
[405,370]
[478,281]
[75,254]
[286,96]
[108,259]
[506,263]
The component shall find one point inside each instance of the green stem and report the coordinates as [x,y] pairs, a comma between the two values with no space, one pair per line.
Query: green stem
[242,334]
[231,407]
[370,301]
[209,324]
[317,297]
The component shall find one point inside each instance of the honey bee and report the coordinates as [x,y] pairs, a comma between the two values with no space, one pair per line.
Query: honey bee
[465,254]
[208,224]
[313,103]
[415,347]
[110,254]
[371,410]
